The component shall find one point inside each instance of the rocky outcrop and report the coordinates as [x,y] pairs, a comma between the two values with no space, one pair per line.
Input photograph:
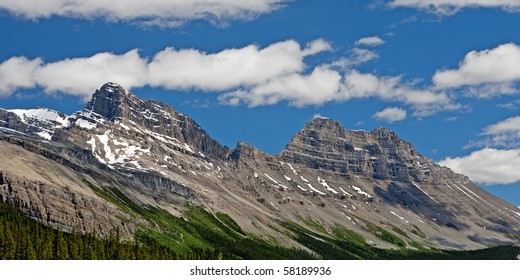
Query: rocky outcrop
[57,195]
[381,154]
[12,121]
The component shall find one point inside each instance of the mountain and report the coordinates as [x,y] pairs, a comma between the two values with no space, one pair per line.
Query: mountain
[125,163]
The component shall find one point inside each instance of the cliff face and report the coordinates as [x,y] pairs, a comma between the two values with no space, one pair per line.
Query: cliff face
[380,154]
[65,166]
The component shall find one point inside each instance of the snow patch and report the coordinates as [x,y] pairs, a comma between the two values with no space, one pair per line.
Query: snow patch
[85,124]
[314,189]
[425,192]
[466,193]
[44,135]
[124,126]
[395,214]
[109,156]
[275,182]
[92,143]
[358,190]
[323,183]
[293,170]
[41,114]
[344,192]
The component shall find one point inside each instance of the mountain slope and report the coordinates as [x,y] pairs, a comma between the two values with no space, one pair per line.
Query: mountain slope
[121,154]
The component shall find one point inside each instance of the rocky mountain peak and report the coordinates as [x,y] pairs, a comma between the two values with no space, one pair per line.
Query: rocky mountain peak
[119,116]
[112,101]
[322,123]
[325,144]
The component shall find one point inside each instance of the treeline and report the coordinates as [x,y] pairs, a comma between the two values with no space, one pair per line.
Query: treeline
[24,238]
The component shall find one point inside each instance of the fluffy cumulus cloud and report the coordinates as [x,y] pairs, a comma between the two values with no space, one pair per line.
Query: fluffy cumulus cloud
[488,166]
[316,88]
[168,13]
[505,133]
[452,6]
[391,114]
[186,69]
[327,85]
[369,41]
[424,102]
[17,72]
[76,76]
[498,165]
[80,76]
[498,66]
[508,126]
[356,57]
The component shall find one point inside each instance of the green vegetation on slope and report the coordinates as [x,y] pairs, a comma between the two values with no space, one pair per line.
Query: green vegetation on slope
[24,238]
[348,245]
[200,231]
[202,235]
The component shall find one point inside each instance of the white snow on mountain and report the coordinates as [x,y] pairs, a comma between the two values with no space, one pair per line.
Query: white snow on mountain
[41,114]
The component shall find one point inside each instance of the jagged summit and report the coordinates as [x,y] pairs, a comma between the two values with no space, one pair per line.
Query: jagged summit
[325,144]
[116,112]
[112,101]
[321,123]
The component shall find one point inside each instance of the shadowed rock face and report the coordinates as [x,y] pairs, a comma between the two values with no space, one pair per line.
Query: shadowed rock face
[161,158]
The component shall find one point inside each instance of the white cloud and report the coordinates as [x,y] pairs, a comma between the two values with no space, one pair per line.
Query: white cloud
[424,102]
[488,166]
[186,69]
[450,119]
[317,88]
[391,114]
[448,7]
[357,56]
[316,46]
[486,91]
[370,41]
[167,13]
[326,85]
[499,66]
[505,133]
[508,126]
[81,76]
[17,72]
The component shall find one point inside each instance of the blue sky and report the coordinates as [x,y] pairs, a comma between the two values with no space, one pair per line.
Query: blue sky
[443,74]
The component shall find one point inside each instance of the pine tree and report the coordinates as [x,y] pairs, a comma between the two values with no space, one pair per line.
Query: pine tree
[9,245]
[30,253]
[46,252]
[61,249]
